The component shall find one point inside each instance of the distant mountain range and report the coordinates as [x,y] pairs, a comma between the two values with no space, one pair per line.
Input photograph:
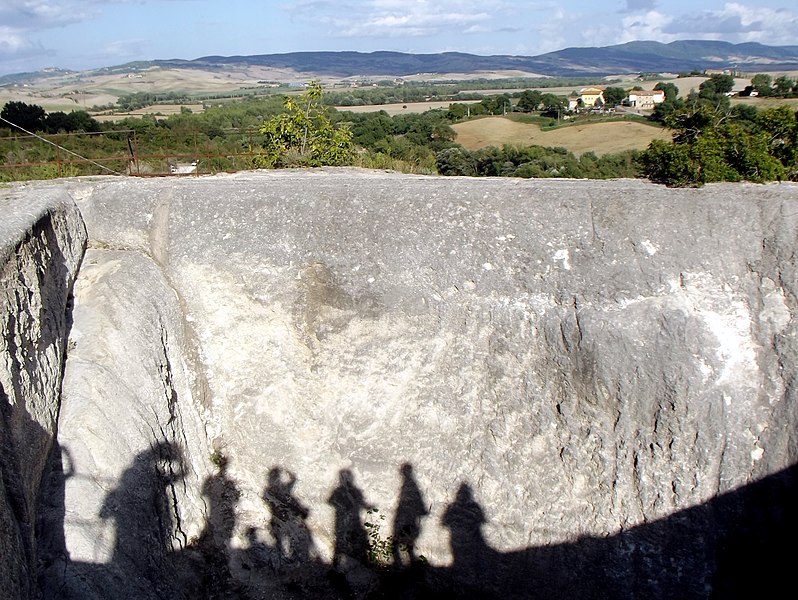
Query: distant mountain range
[632,57]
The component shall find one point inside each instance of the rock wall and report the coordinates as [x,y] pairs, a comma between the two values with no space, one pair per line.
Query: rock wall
[43,239]
[540,388]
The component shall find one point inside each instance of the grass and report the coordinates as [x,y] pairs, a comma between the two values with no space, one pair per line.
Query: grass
[403,108]
[764,103]
[604,137]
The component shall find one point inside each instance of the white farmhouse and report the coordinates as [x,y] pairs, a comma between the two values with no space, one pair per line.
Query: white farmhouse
[642,99]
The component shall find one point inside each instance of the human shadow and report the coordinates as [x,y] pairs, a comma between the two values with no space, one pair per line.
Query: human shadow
[290,566]
[51,514]
[733,546]
[144,559]
[140,508]
[351,538]
[410,510]
[730,547]
[287,523]
[213,545]
[352,574]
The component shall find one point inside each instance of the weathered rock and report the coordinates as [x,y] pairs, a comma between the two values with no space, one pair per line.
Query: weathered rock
[133,451]
[547,388]
[42,243]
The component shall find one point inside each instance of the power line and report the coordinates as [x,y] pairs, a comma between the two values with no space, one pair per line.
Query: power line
[61,147]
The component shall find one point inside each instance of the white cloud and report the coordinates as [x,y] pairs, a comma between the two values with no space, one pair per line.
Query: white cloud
[398,18]
[12,41]
[739,23]
[24,21]
[648,26]
[549,35]
[123,49]
[16,47]
[637,5]
[733,22]
[40,15]
[483,29]
[37,15]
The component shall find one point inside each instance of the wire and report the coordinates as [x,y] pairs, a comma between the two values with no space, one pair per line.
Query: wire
[61,147]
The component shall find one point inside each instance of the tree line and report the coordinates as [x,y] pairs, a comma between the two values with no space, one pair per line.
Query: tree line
[33,118]
[712,141]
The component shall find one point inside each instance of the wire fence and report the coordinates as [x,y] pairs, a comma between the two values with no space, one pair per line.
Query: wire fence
[158,152]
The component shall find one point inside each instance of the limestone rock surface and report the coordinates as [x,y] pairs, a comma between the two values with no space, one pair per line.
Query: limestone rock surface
[544,388]
[43,240]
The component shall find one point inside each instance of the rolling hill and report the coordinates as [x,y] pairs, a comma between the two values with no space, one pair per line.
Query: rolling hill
[632,57]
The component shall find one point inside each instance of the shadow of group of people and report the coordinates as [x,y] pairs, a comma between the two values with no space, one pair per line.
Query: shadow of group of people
[723,549]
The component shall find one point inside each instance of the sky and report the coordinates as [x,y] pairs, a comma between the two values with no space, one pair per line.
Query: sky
[85,34]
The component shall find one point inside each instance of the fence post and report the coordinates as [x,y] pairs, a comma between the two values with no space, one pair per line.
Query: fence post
[58,159]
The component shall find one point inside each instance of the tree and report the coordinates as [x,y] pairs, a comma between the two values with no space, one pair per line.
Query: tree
[664,109]
[715,145]
[455,161]
[761,82]
[552,104]
[497,104]
[780,126]
[670,89]
[669,163]
[613,96]
[457,111]
[745,114]
[747,154]
[77,120]
[690,123]
[783,86]
[27,116]
[304,135]
[529,101]
[490,104]
[717,84]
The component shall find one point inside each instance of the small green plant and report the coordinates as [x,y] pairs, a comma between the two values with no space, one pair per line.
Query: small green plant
[380,551]
[304,135]
[218,459]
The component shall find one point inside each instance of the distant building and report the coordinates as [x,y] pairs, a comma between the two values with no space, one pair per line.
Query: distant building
[183,169]
[732,72]
[645,100]
[587,97]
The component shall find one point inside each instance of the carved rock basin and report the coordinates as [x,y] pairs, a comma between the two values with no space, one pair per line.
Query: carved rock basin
[538,389]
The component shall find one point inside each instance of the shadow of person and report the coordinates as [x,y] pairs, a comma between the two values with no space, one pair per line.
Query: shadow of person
[473,561]
[351,539]
[351,573]
[222,495]
[407,520]
[142,511]
[287,524]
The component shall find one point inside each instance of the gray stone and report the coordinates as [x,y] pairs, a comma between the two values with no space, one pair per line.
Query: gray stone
[43,239]
[592,384]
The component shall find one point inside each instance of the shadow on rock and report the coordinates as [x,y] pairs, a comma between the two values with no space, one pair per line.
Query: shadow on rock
[731,547]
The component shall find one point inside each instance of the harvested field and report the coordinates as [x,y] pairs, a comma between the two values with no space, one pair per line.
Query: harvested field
[765,103]
[601,138]
[398,109]
[157,109]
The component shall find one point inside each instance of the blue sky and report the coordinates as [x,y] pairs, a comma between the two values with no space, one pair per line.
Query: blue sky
[81,34]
